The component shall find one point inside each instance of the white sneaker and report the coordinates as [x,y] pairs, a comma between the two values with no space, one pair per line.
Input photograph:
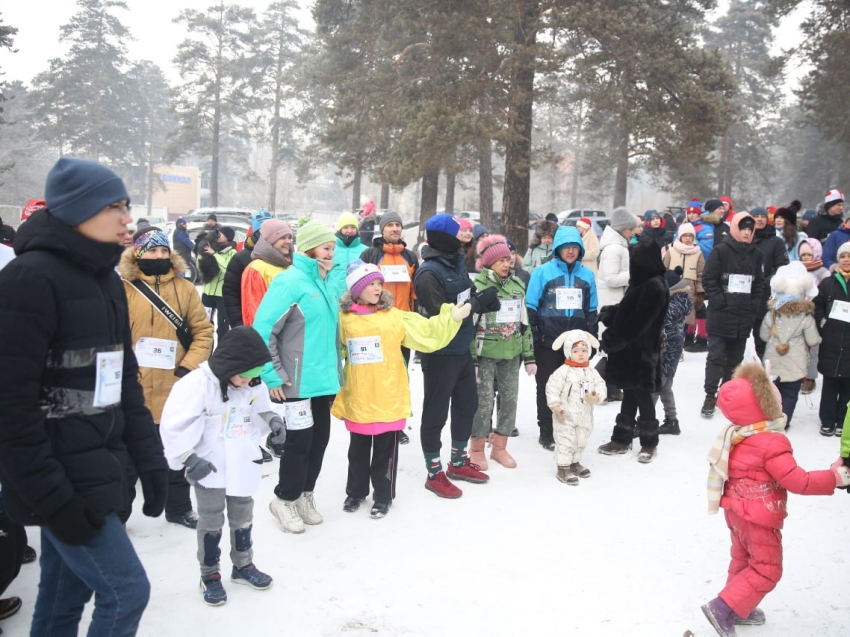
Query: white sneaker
[306,507]
[286,514]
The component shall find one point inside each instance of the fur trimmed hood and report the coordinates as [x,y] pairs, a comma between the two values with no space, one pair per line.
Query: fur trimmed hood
[543,229]
[128,266]
[712,218]
[794,307]
[749,397]
[384,303]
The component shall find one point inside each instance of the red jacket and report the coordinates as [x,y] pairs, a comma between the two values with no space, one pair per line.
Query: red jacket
[762,470]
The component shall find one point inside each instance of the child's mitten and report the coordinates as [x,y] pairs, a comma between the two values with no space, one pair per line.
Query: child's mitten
[558,412]
[197,468]
[591,398]
[278,430]
[842,473]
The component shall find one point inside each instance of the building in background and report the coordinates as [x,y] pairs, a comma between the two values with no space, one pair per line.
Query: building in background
[178,190]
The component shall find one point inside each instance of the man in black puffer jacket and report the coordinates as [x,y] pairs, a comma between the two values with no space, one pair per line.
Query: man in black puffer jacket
[231,290]
[72,405]
[774,255]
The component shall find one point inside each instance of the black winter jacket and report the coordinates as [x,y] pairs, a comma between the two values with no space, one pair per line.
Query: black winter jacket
[635,325]
[775,255]
[231,288]
[63,305]
[834,353]
[439,280]
[731,314]
[823,225]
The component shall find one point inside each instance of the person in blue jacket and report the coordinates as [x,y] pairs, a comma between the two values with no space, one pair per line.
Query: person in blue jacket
[835,240]
[561,296]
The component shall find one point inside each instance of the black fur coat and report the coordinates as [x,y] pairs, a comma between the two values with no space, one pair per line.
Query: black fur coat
[633,340]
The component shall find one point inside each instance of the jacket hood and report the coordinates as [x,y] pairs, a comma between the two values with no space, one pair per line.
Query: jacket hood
[568,235]
[735,227]
[430,253]
[712,218]
[128,267]
[240,350]
[43,232]
[612,237]
[645,262]
[794,307]
[750,397]
[384,303]
[542,229]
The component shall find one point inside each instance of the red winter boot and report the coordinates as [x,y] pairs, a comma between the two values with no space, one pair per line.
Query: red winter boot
[476,452]
[440,485]
[467,471]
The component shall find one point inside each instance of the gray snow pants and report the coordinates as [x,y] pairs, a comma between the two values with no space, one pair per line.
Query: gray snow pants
[667,399]
[240,516]
[506,373]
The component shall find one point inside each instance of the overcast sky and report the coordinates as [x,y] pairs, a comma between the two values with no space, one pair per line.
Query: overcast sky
[157,37]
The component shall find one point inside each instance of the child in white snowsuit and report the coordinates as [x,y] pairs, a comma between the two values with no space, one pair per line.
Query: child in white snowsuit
[212,425]
[571,392]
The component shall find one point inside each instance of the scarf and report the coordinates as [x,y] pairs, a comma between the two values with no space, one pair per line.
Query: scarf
[844,273]
[570,363]
[718,455]
[263,250]
[681,248]
[811,266]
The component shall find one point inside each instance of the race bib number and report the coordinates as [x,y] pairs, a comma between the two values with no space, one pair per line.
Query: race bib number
[365,350]
[395,274]
[510,312]
[158,353]
[463,296]
[568,298]
[298,415]
[239,423]
[740,283]
[840,311]
[110,372]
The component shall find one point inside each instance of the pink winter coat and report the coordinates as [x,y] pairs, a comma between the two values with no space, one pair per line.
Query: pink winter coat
[762,470]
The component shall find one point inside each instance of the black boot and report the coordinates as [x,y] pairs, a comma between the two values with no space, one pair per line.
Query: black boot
[621,437]
[648,439]
[546,440]
[670,427]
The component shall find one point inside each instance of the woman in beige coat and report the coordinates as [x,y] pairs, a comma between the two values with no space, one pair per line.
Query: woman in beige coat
[685,253]
[590,259]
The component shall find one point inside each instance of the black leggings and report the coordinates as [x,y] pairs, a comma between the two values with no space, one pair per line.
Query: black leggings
[637,399]
[304,452]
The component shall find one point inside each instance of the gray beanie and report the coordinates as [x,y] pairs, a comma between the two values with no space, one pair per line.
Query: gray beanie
[622,219]
[386,218]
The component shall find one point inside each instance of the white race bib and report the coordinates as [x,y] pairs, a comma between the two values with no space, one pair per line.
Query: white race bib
[840,311]
[364,350]
[239,423]
[298,415]
[107,384]
[158,353]
[463,296]
[568,298]
[740,283]
[510,312]
[395,274]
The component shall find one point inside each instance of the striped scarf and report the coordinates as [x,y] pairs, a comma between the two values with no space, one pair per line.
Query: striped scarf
[718,455]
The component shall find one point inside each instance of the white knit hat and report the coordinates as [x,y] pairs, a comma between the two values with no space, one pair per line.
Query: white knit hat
[832,197]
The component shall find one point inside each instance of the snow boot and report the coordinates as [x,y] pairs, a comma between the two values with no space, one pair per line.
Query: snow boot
[467,472]
[351,504]
[670,427]
[546,439]
[189,519]
[755,618]
[441,485]
[286,514]
[579,470]
[621,437]
[476,452]
[718,613]
[379,510]
[306,507]
[566,475]
[708,406]
[648,439]
[499,452]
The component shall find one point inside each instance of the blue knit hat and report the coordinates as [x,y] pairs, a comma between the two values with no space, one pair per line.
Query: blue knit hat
[258,217]
[77,189]
[478,231]
[649,214]
[442,223]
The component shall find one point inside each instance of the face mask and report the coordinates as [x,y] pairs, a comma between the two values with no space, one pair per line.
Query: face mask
[155,267]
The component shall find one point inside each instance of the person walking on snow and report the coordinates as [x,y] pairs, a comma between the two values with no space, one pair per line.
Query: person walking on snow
[212,425]
[571,392]
[674,342]
[374,402]
[449,372]
[751,470]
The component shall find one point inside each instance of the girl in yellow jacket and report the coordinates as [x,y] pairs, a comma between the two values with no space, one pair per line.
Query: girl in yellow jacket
[375,400]
[162,358]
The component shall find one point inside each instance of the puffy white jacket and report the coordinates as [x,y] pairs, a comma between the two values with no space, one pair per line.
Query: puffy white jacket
[613,276]
[564,388]
[228,434]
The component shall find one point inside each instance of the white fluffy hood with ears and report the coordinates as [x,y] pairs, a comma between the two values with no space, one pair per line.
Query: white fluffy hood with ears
[570,338]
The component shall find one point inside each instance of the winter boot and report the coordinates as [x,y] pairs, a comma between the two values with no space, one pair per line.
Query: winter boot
[621,438]
[251,576]
[440,485]
[189,519]
[213,590]
[566,475]
[648,439]
[379,510]
[286,514]
[499,452]
[718,613]
[709,405]
[755,618]
[403,438]
[670,427]
[476,452]
[351,504]
[808,386]
[546,440]
[698,345]
[306,507]
[467,472]
[579,470]
[614,396]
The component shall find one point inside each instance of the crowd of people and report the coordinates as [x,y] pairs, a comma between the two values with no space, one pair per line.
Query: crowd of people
[121,373]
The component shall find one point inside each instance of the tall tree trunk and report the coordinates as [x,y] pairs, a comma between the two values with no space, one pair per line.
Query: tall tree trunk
[428,202]
[150,179]
[216,143]
[485,182]
[518,148]
[722,165]
[621,180]
[275,159]
[355,187]
[450,193]
[385,196]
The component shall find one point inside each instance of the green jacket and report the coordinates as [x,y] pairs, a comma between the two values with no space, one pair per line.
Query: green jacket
[343,255]
[507,339]
[298,319]
[213,288]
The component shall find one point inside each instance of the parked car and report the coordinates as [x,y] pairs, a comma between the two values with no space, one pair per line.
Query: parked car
[241,229]
[577,213]
[597,223]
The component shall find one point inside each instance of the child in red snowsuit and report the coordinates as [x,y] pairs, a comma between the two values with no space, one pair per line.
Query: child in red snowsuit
[752,470]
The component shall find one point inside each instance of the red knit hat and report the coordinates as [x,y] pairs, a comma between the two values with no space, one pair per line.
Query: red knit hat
[584,223]
[31,207]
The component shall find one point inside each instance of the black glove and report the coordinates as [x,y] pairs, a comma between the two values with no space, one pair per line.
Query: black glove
[180,372]
[154,489]
[77,523]
[485,301]
[197,468]
[607,314]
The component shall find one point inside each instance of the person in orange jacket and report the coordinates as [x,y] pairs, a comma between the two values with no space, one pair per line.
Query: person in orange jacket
[272,255]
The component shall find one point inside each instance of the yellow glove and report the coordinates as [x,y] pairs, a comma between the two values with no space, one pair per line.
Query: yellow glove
[460,312]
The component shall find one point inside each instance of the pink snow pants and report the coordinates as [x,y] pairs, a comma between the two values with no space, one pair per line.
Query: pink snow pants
[756,564]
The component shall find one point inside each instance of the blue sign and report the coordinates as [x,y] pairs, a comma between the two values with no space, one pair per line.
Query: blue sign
[176,179]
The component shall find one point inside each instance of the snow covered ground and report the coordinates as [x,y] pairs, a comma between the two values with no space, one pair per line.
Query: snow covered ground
[631,551]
